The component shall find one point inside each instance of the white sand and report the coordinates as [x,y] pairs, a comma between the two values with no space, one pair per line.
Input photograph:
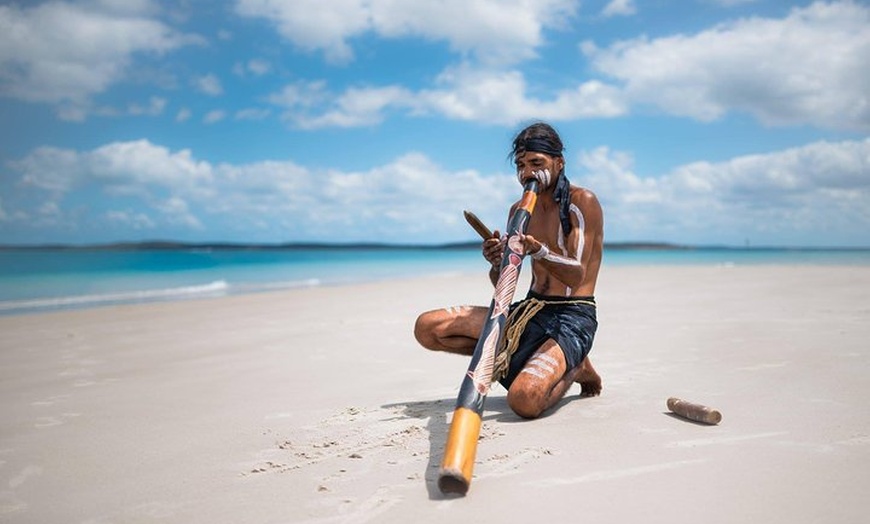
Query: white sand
[317,405]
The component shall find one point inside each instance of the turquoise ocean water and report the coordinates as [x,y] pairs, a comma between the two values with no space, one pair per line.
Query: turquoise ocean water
[35,280]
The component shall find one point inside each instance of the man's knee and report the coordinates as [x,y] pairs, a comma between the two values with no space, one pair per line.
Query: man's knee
[424,330]
[526,401]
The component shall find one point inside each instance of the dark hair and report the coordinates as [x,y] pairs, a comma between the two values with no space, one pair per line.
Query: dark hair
[539,137]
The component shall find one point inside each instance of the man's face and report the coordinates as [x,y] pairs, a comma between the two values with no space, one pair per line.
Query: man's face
[540,166]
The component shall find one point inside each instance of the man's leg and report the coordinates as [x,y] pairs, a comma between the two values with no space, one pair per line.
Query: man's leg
[453,329]
[546,378]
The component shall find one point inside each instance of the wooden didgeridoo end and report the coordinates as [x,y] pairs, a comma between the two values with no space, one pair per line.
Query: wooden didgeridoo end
[460,449]
[695,412]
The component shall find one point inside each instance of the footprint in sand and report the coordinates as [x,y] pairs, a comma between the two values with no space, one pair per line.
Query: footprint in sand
[352,434]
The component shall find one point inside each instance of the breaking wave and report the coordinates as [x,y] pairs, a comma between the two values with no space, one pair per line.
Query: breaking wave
[216,288]
[213,289]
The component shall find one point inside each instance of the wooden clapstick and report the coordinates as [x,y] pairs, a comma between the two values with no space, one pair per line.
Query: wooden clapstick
[478,226]
[695,412]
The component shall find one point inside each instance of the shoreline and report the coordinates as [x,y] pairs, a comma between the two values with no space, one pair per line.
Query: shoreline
[164,245]
[221,288]
[317,405]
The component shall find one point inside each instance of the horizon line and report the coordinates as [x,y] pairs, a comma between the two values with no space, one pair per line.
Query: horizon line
[226,245]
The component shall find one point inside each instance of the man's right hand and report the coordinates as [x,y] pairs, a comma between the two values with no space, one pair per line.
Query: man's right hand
[493,249]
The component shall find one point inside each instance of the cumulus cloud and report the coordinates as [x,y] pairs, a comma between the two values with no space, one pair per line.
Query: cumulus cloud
[209,84]
[731,3]
[183,115]
[460,93]
[119,166]
[64,53]
[255,67]
[354,108]
[155,107]
[619,8]
[253,114]
[466,93]
[491,30]
[821,188]
[811,67]
[147,187]
[129,219]
[215,116]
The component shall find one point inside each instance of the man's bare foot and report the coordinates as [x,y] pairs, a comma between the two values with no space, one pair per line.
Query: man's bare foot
[589,380]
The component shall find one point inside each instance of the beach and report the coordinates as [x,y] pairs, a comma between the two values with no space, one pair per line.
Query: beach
[317,405]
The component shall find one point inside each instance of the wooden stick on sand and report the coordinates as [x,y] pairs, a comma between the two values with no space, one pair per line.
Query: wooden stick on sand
[695,412]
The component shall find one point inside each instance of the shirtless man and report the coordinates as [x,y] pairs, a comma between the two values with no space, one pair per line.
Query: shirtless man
[564,241]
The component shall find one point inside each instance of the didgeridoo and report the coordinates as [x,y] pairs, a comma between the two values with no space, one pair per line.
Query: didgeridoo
[461,446]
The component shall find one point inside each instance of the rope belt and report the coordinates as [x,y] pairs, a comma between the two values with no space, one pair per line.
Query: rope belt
[516,324]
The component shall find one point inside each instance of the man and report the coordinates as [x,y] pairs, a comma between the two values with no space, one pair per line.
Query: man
[557,319]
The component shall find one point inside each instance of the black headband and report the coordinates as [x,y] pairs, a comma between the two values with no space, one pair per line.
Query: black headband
[539,145]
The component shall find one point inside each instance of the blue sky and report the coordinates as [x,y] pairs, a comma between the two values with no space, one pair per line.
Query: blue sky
[694,121]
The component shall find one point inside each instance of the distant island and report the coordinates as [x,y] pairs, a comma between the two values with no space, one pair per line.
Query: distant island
[163,245]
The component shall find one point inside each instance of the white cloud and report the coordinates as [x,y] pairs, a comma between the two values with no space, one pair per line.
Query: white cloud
[213,117]
[355,107]
[503,97]
[253,113]
[491,30]
[175,211]
[183,115]
[821,188]
[129,219]
[80,112]
[49,168]
[254,66]
[301,95]
[412,199]
[64,53]
[259,67]
[731,3]
[619,8]
[155,107]
[209,84]
[309,26]
[126,7]
[461,93]
[123,166]
[812,67]
[150,187]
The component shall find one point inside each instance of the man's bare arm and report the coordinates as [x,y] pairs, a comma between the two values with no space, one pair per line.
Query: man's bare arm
[571,269]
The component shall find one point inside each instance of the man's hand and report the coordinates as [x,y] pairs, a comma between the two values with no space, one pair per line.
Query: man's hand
[531,245]
[493,249]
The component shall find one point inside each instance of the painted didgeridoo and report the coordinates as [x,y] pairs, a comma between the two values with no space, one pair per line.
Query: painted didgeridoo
[461,446]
